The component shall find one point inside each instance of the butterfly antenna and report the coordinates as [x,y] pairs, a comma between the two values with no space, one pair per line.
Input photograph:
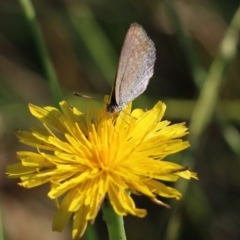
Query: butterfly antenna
[89,97]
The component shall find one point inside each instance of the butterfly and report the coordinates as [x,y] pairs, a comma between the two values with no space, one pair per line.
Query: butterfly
[135,68]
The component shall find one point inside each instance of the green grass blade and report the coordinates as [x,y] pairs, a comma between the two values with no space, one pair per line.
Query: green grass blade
[42,50]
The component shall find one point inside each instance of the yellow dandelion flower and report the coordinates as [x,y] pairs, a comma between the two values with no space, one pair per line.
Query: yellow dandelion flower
[89,157]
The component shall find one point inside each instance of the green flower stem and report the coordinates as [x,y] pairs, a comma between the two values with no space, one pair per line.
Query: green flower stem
[115,224]
[90,233]
[42,49]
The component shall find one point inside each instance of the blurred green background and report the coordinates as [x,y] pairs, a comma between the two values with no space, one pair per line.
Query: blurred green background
[57,47]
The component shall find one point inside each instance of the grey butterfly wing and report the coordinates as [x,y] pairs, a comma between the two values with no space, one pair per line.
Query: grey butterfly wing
[136,64]
[137,74]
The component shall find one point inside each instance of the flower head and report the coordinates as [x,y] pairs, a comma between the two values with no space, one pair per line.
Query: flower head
[87,158]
